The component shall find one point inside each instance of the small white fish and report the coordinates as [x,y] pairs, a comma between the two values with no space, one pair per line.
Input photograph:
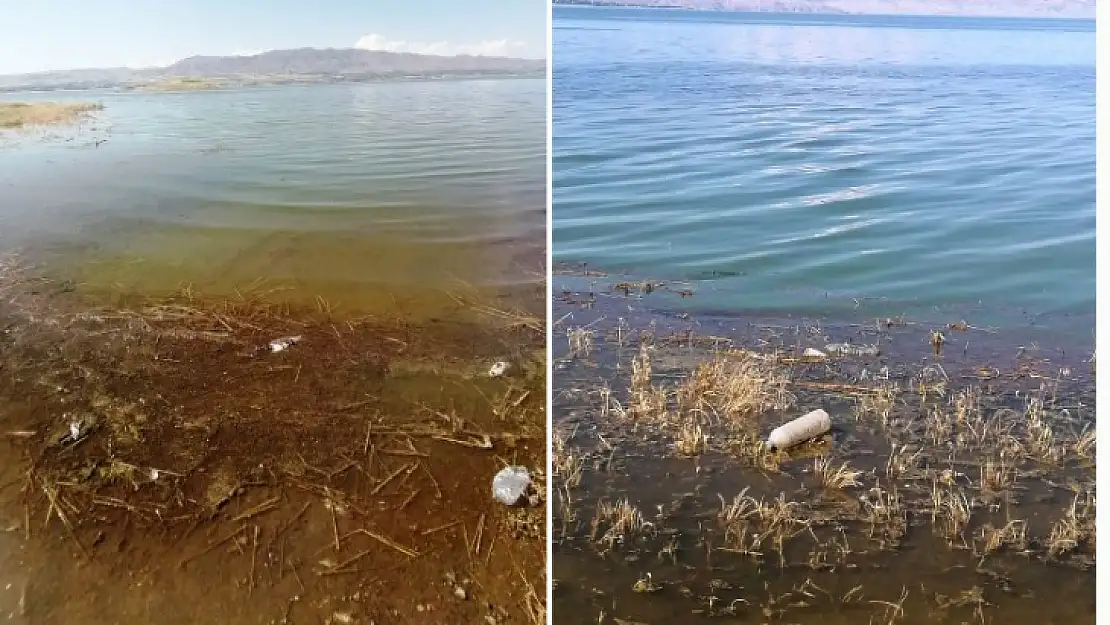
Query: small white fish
[498,369]
[284,343]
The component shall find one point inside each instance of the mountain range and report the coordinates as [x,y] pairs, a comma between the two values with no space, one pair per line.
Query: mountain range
[1081,9]
[298,65]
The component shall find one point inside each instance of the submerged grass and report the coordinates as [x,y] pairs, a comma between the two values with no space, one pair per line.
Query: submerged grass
[916,462]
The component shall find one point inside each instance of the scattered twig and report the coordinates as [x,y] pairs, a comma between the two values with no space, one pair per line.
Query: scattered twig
[261,508]
[211,546]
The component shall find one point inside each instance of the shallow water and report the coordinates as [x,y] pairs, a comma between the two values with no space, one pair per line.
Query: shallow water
[370,195]
[695,577]
[802,163]
[244,501]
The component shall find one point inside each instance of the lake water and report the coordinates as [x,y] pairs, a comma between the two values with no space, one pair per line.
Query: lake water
[387,200]
[808,162]
[372,195]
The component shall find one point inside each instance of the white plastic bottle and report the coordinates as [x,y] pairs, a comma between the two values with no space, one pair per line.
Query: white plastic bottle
[806,427]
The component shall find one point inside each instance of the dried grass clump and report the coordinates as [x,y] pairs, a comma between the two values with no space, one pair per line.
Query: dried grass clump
[691,440]
[951,511]
[650,403]
[641,370]
[753,449]
[1013,535]
[645,400]
[833,477]
[885,514]
[967,405]
[22,114]
[1085,444]
[752,524]
[1041,440]
[939,426]
[1075,528]
[734,387]
[904,463]
[996,477]
[567,462]
[621,522]
[580,341]
[878,404]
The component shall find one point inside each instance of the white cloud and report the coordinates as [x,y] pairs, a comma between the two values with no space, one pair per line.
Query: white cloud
[252,52]
[495,47]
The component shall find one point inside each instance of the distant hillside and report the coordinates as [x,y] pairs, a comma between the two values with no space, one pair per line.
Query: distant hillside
[342,61]
[304,64]
[1083,9]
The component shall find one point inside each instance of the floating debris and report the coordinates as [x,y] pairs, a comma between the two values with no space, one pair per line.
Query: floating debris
[284,343]
[498,369]
[477,441]
[847,349]
[938,340]
[806,427]
[79,429]
[646,586]
[511,484]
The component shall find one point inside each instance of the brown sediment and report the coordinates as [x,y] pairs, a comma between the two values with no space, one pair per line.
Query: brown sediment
[165,464]
[953,488]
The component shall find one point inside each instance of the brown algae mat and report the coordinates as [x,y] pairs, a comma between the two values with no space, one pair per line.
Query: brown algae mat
[953,488]
[168,462]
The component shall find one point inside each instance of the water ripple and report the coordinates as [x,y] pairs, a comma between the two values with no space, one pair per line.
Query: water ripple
[428,161]
[914,164]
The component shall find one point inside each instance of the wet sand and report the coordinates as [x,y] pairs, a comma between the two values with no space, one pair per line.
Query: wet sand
[343,479]
[954,487]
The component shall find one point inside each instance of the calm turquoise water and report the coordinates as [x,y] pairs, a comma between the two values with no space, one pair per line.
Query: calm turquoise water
[798,162]
[353,190]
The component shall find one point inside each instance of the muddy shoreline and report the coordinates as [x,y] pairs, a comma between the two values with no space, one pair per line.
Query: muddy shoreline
[578,285]
[163,462]
[956,485]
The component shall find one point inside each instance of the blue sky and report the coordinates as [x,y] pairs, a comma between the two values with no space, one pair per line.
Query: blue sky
[41,35]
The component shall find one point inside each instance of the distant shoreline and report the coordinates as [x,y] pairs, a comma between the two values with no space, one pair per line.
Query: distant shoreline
[234,82]
[612,292]
[588,4]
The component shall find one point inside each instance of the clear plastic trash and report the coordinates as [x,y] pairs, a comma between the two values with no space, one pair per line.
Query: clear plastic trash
[511,484]
[284,343]
[845,349]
